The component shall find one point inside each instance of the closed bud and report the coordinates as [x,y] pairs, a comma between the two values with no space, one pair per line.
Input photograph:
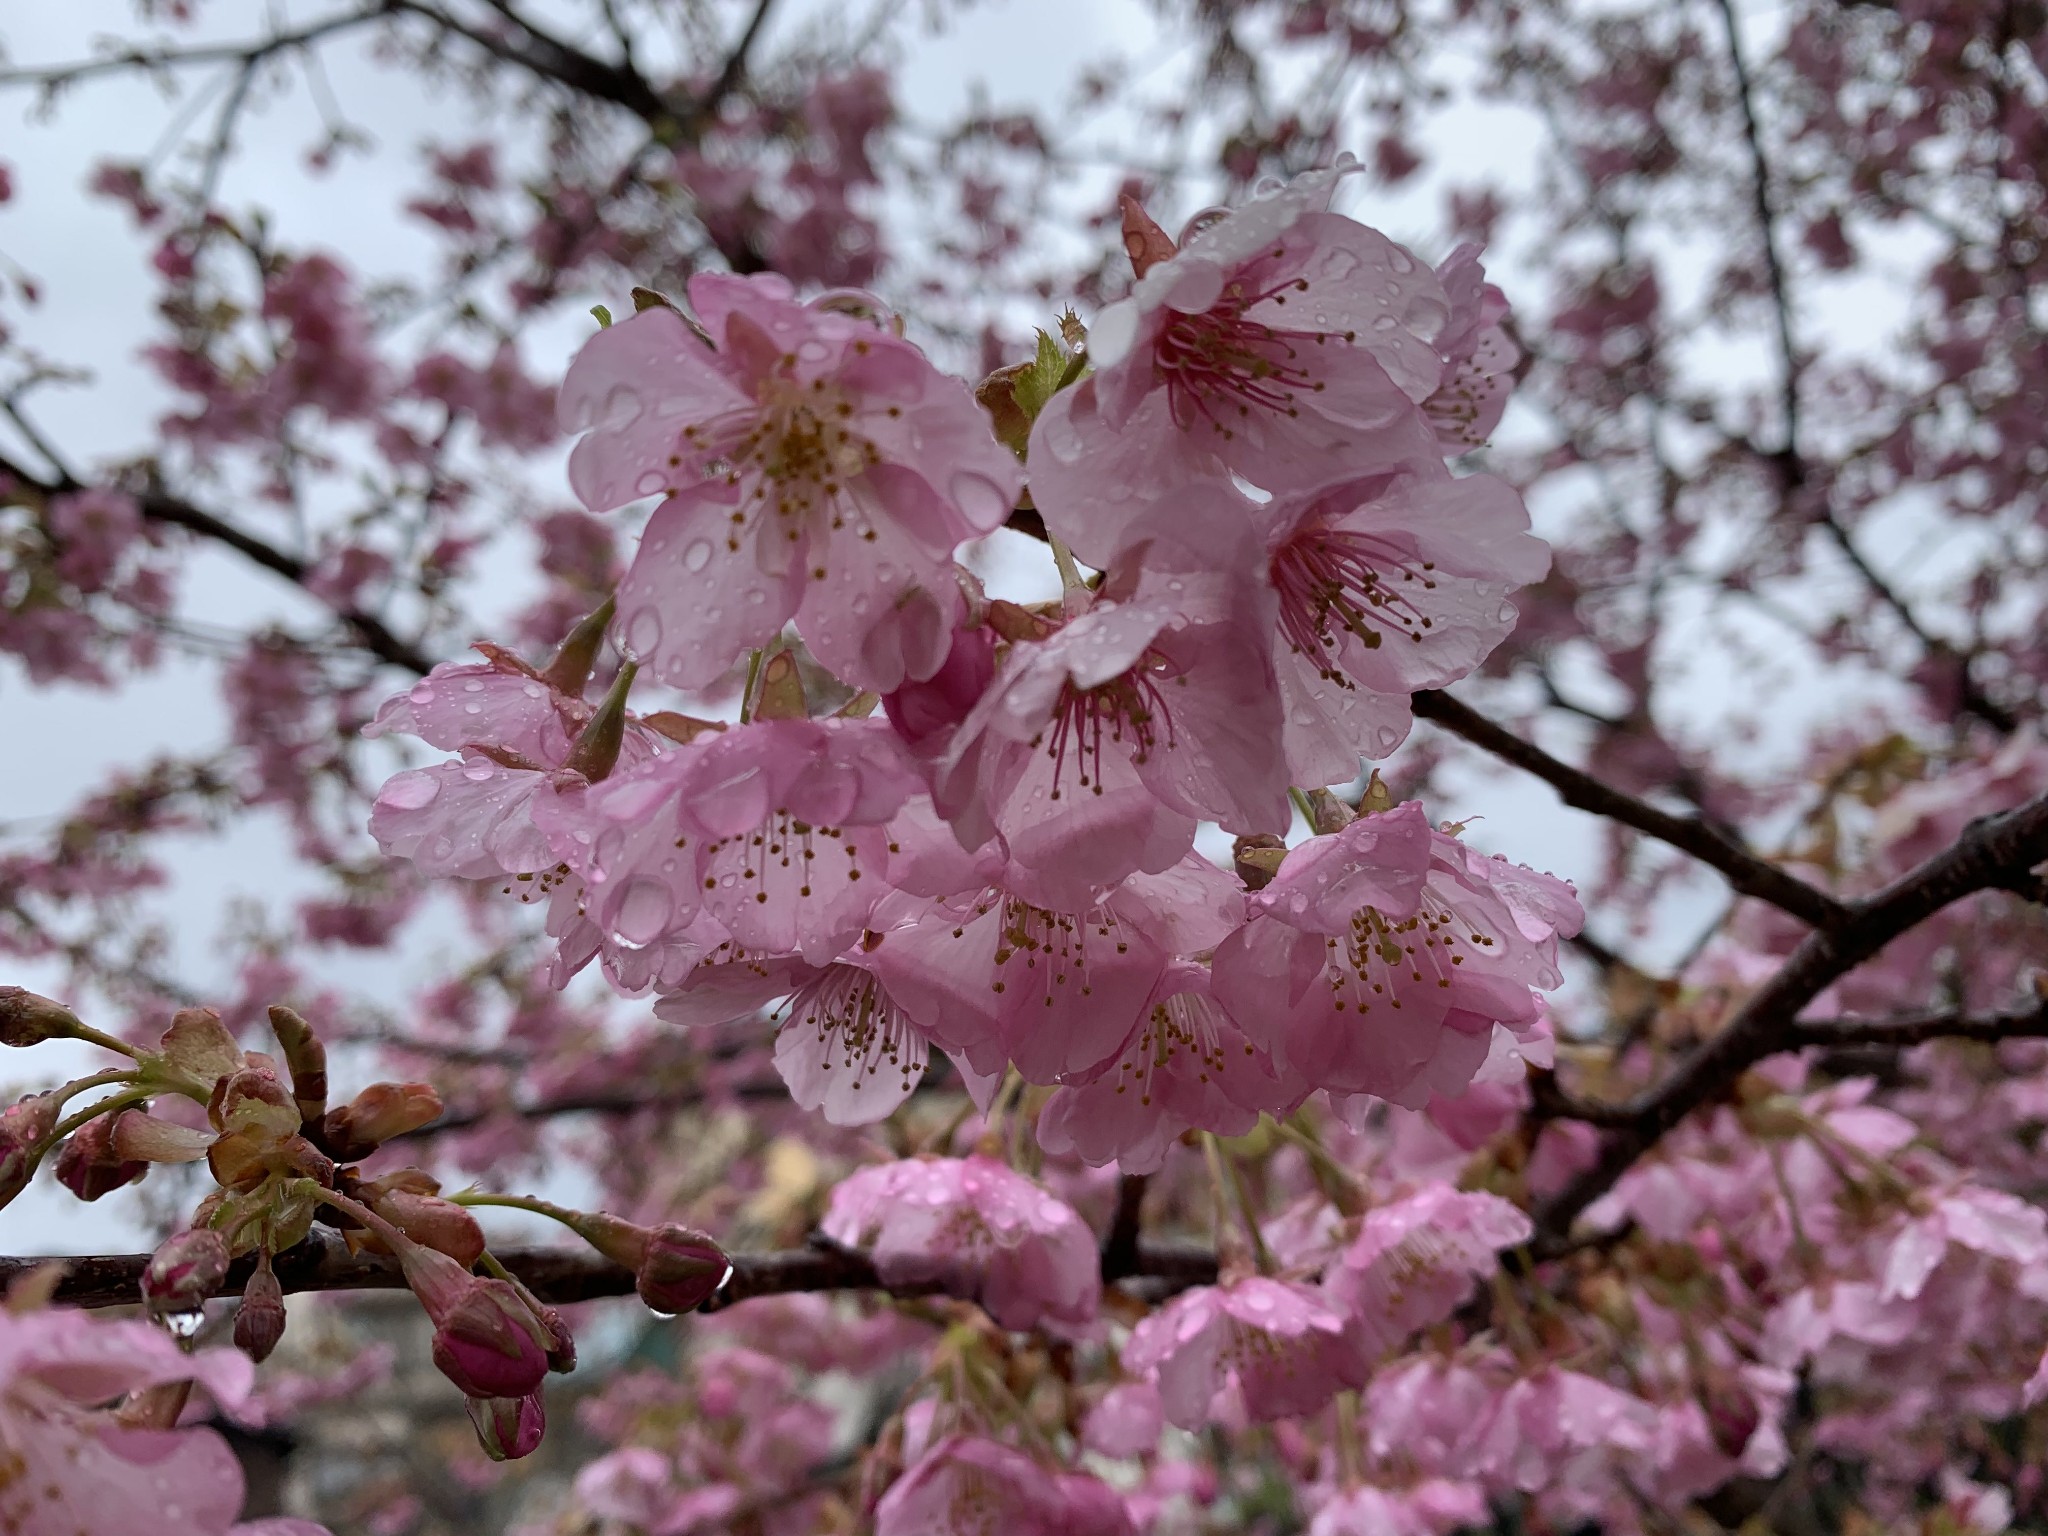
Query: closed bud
[260,1323]
[681,1271]
[28,1018]
[1257,858]
[142,1137]
[184,1271]
[569,671]
[595,752]
[305,1058]
[89,1166]
[428,1219]
[508,1427]
[488,1343]
[200,1046]
[253,1099]
[379,1113]
[23,1129]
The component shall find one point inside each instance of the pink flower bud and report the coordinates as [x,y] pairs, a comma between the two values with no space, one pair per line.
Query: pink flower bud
[260,1323]
[23,1127]
[488,1343]
[508,1427]
[89,1166]
[428,1219]
[486,1339]
[252,1099]
[681,1270]
[27,1018]
[186,1269]
[379,1113]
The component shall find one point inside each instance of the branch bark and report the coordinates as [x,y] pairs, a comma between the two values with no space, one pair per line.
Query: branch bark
[1994,853]
[1743,870]
[564,1275]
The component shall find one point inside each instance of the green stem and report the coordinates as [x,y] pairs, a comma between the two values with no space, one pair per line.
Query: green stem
[109,1105]
[1063,557]
[533,1203]
[756,659]
[1308,812]
[105,1041]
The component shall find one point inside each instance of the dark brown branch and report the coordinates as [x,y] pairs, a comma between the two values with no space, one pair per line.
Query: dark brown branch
[1748,874]
[1994,853]
[564,1275]
[1918,1028]
[51,76]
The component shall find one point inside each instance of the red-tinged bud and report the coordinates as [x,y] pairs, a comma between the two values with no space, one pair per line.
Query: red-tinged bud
[89,1166]
[681,1271]
[23,1128]
[489,1344]
[428,1219]
[260,1323]
[379,1113]
[486,1340]
[1732,1414]
[185,1270]
[199,1045]
[142,1137]
[27,1018]
[508,1427]
[305,1058]
[1257,857]
[1144,241]
[921,712]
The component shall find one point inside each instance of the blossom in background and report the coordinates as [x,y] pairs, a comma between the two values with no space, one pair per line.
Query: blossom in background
[1275,1347]
[976,1229]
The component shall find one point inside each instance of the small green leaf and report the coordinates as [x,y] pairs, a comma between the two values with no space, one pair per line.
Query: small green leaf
[604,316]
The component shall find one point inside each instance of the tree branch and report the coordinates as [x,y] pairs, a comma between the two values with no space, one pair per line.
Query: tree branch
[563,1275]
[1994,853]
[1743,870]
[1918,1028]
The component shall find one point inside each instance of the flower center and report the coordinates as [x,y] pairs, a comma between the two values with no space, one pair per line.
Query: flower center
[795,456]
[858,1026]
[1130,710]
[1183,1026]
[1334,583]
[781,850]
[1219,364]
[1366,965]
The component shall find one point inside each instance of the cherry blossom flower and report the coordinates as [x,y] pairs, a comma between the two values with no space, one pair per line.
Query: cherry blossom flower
[1479,356]
[844,1046]
[1127,1422]
[1389,582]
[1434,1507]
[814,466]
[772,830]
[998,979]
[1396,949]
[1279,343]
[1986,1221]
[67,1468]
[1277,1345]
[967,1485]
[975,1228]
[1542,1421]
[1104,738]
[1186,1065]
[1416,1260]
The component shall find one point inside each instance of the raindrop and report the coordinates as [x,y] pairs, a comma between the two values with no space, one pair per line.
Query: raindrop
[184,1325]
[980,499]
[1337,264]
[697,556]
[478,773]
[645,907]
[649,483]
[622,407]
[643,633]
[1400,263]
[411,792]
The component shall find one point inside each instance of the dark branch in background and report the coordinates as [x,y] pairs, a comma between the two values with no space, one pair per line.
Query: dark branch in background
[564,1275]
[1918,1028]
[1748,874]
[1788,462]
[1994,853]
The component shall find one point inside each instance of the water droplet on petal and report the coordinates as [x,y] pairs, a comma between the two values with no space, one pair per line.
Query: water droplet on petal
[649,483]
[979,499]
[643,633]
[622,407]
[645,907]
[411,792]
[697,556]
